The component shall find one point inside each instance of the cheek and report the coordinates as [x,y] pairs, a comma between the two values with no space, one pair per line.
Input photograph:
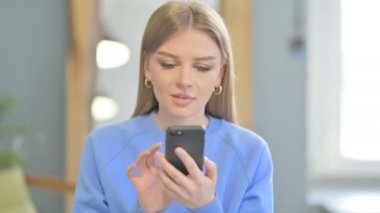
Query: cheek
[160,86]
[210,82]
[208,89]
[157,89]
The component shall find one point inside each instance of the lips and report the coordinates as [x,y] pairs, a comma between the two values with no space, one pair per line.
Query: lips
[182,100]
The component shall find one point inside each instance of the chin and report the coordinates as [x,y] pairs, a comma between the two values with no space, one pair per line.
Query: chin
[182,113]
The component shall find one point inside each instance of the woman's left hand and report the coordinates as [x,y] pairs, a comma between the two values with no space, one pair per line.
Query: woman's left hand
[194,190]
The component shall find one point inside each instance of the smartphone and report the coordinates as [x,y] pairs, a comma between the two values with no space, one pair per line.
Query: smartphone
[191,139]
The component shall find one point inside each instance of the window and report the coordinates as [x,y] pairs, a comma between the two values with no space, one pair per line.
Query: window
[360,95]
[344,88]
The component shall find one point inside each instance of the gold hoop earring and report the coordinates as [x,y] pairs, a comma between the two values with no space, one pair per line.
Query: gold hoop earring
[148,83]
[218,90]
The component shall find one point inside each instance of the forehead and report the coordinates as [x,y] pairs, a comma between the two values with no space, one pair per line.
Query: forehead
[191,42]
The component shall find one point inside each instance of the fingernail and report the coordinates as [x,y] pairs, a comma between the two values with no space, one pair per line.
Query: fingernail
[178,149]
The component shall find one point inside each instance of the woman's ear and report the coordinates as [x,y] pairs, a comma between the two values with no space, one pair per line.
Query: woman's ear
[146,70]
[221,74]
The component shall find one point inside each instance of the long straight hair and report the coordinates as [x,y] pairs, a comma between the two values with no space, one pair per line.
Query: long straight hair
[171,18]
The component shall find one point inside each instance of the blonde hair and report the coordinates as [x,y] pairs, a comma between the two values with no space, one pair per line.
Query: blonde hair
[173,17]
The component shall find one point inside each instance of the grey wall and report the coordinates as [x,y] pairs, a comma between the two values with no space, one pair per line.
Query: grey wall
[280,95]
[33,45]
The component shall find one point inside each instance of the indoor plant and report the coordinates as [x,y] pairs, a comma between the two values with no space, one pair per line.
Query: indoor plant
[9,157]
[14,195]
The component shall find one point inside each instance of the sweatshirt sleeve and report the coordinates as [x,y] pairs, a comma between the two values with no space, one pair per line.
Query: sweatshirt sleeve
[215,206]
[259,196]
[89,195]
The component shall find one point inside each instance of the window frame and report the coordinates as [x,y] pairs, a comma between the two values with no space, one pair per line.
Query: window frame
[323,109]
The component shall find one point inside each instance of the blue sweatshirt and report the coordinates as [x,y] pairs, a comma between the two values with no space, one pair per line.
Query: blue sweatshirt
[243,160]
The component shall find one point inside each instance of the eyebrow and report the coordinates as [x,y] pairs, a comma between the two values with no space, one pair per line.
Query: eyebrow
[176,57]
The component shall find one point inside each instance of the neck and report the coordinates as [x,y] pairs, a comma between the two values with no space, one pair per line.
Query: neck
[164,121]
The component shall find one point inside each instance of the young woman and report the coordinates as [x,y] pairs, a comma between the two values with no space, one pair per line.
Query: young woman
[186,78]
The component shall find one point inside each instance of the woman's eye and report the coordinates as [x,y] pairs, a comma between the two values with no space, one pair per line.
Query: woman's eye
[203,68]
[167,65]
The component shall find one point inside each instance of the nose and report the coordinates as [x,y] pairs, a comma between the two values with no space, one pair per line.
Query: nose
[185,77]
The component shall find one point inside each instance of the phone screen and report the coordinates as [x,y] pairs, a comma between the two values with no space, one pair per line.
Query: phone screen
[191,139]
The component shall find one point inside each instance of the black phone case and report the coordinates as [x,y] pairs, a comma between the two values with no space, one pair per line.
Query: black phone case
[191,139]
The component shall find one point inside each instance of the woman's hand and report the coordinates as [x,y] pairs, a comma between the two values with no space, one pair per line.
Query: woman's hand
[152,197]
[194,190]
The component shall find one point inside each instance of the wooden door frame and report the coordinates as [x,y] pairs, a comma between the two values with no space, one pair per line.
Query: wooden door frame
[80,78]
[238,17]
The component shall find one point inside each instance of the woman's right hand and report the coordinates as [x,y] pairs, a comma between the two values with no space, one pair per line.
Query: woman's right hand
[152,197]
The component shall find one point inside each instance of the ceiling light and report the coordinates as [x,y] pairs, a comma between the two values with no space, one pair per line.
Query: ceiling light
[104,108]
[111,54]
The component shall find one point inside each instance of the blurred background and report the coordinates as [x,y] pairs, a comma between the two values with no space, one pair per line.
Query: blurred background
[308,78]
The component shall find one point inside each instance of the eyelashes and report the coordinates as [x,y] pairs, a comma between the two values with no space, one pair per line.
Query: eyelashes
[170,66]
[203,68]
[167,65]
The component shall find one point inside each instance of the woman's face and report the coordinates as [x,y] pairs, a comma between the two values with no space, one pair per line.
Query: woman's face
[184,72]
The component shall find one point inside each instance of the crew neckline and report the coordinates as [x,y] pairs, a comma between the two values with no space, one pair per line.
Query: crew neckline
[152,127]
